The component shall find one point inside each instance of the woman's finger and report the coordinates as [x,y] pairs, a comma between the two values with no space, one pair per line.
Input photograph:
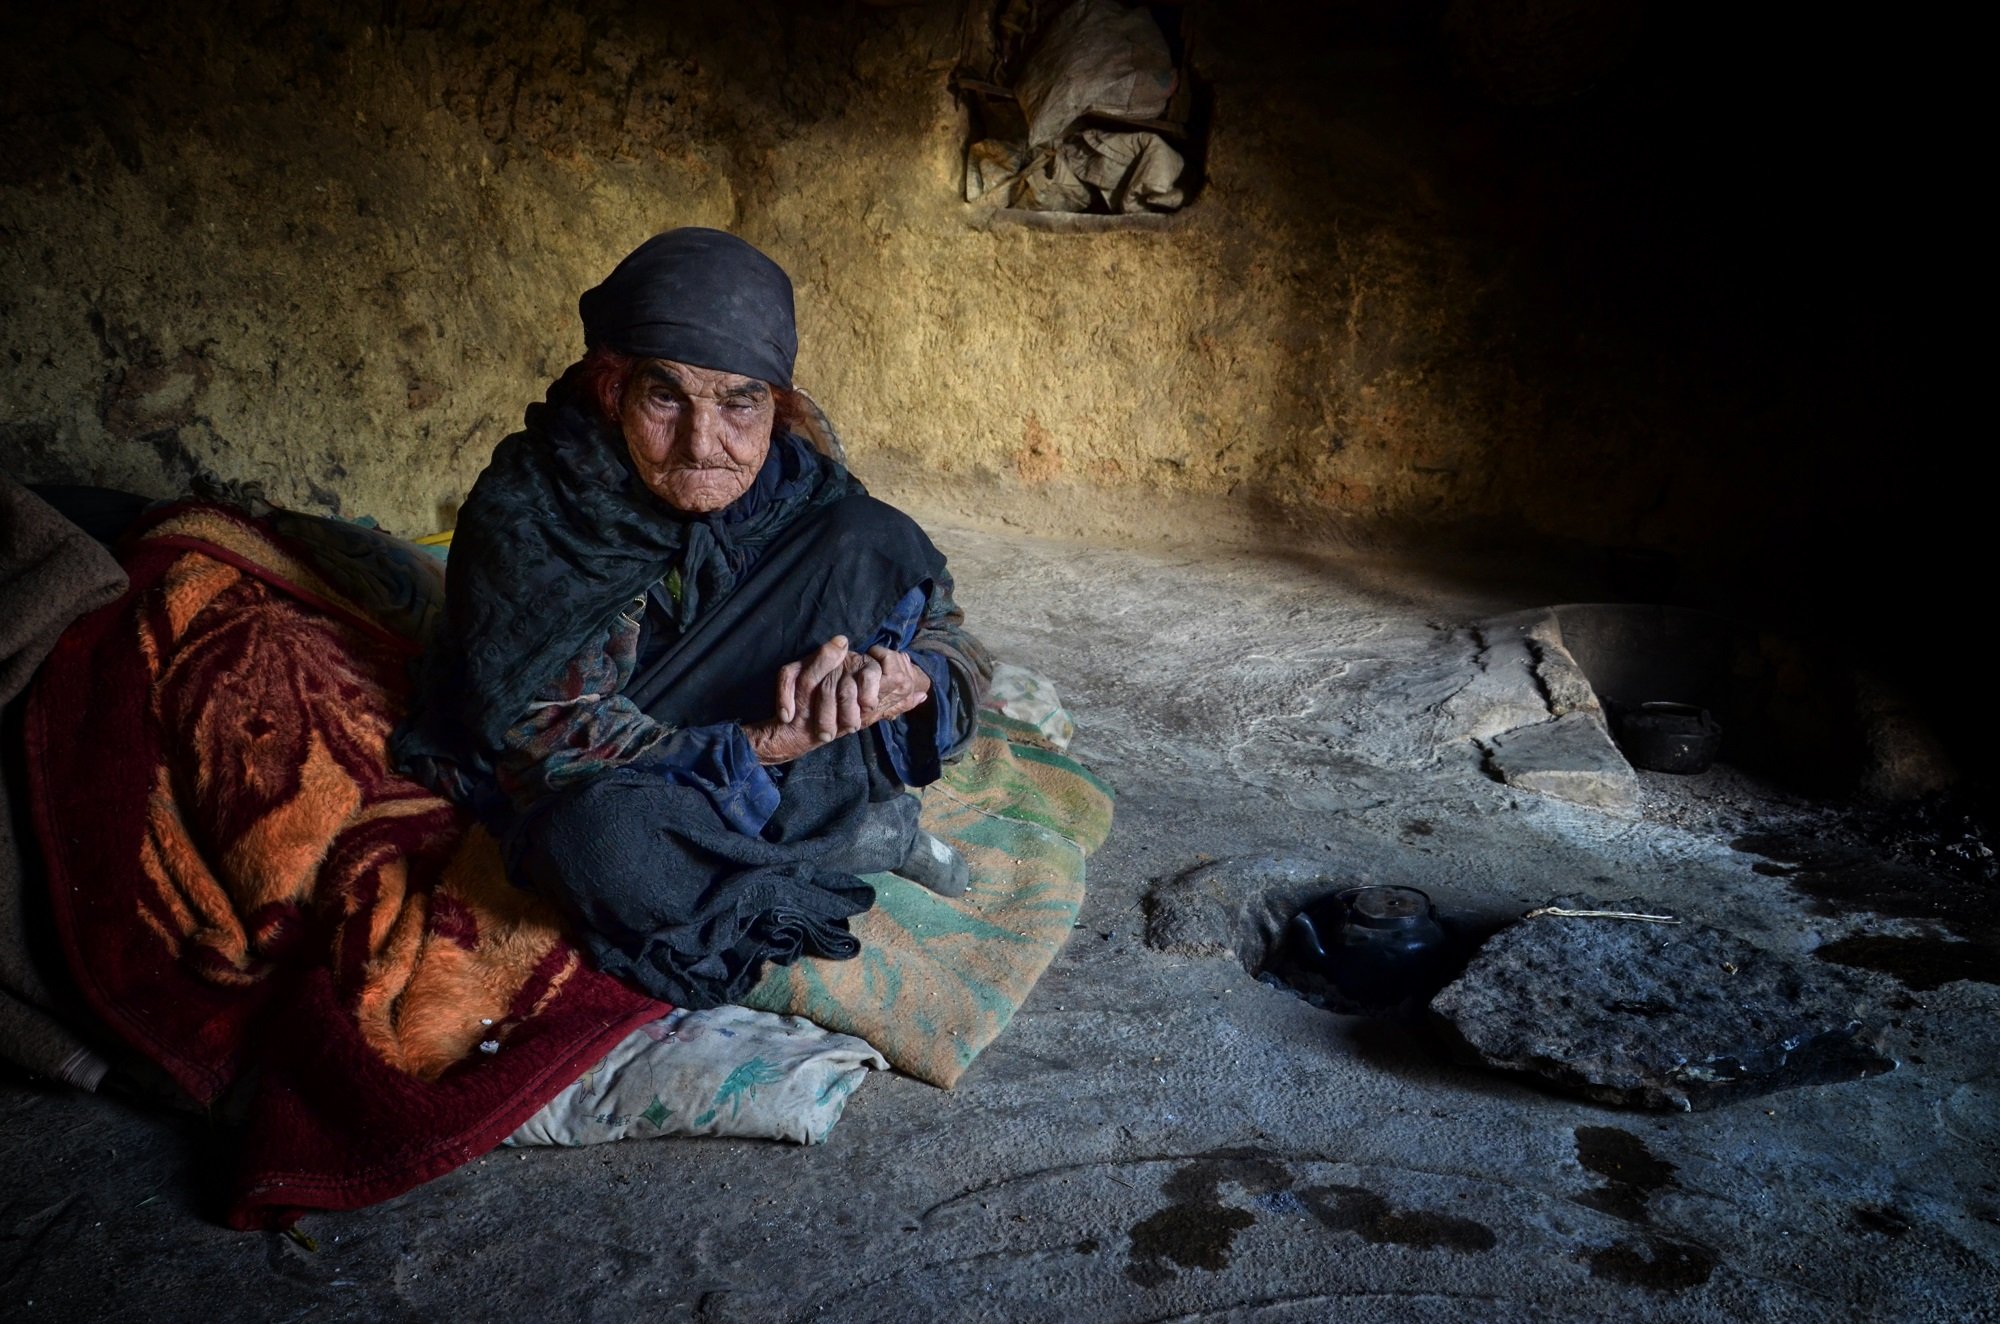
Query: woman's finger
[907,680]
[850,706]
[788,686]
[868,680]
[826,707]
[825,659]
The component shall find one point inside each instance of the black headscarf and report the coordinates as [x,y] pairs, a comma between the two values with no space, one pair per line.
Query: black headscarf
[699,297]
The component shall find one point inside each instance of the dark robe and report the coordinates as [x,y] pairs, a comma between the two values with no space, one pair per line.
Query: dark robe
[557,537]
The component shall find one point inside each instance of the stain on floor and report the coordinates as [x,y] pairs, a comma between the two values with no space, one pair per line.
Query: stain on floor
[1190,1236]
[1372,1218]
[1845,880]
[1198,1230]
[1842,879]
[1632,1173]
[1654,1262]
[1919,963]
[1878,1219]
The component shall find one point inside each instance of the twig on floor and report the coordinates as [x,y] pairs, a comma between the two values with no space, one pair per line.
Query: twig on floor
[1557,912]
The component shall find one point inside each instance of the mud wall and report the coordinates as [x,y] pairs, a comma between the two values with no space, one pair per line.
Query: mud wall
[1430,282]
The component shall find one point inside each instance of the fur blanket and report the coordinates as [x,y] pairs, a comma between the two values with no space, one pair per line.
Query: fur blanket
[248,896]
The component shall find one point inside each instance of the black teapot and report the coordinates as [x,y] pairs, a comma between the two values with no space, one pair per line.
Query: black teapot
[1375,946]
[1669,737]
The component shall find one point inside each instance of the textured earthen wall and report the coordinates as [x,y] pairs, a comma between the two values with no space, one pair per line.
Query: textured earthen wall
[335,249]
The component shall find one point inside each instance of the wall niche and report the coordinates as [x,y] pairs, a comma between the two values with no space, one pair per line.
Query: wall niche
[1081,114]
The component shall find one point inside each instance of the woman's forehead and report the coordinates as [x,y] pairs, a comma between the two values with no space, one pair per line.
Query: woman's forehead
[692,380]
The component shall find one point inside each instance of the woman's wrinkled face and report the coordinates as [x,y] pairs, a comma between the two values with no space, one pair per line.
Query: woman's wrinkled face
[697,436]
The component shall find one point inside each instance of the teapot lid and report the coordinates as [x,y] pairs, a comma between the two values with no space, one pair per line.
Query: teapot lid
[1387,907]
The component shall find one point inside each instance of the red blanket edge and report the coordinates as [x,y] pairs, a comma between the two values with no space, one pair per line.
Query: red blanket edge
[72,653]
[273,1197]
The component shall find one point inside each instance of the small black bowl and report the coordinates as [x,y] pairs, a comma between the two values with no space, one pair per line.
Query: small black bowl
[1669,737]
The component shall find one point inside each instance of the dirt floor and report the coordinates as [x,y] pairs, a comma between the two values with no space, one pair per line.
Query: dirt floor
[1163,1137]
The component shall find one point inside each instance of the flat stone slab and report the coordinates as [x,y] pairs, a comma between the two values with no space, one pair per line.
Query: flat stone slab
[1668,1017]
[1572,758]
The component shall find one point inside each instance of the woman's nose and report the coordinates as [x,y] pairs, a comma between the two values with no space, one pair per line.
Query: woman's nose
[701,430]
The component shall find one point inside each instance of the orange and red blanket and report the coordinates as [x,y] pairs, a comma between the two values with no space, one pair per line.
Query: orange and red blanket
[241,886]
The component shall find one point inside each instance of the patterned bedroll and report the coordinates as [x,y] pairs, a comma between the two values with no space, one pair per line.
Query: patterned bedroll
[938,978]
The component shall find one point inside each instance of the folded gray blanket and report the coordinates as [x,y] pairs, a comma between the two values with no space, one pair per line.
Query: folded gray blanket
[51,572]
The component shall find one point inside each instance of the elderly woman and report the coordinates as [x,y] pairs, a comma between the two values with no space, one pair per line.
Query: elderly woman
[689,665]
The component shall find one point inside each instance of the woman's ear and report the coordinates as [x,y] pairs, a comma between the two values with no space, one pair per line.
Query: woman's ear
[604,374]
[799,414]
[788,413]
